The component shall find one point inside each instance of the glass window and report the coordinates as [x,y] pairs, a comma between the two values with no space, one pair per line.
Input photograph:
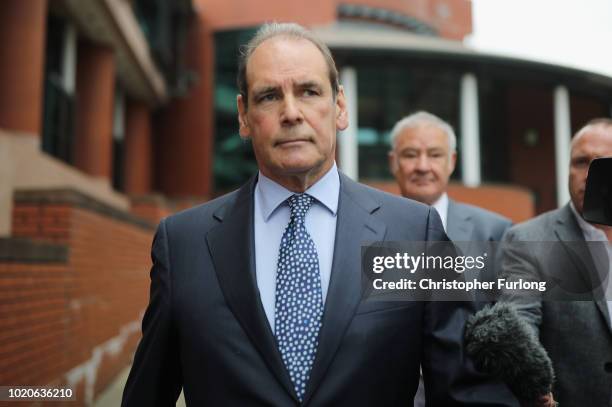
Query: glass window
[58,109]
[118,139]
[391,90]
[492,95]
[234,161]
[165,24]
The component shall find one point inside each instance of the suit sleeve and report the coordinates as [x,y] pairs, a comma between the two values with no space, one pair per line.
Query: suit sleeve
[155,377]
[449,375]
[516,263]
[500,229]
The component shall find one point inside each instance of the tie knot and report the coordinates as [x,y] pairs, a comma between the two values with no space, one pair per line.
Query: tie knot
[299,205]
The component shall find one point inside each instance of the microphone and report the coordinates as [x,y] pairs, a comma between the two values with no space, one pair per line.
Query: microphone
[504,346]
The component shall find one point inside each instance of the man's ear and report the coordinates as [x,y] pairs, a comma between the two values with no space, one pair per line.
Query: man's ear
[392,158]
[245,131]
[452,162]
[342,119]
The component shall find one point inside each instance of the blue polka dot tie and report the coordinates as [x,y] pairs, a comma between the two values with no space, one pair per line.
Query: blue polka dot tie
[299,301]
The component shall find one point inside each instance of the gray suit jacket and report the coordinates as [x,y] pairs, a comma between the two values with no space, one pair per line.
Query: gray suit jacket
[205,328]
[576,334]
[471,223]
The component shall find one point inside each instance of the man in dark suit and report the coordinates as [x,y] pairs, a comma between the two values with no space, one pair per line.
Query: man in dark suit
[576,334]
[256,296]
[422,159]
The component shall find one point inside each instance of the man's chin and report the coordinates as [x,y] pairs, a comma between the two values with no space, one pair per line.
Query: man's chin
[303,167]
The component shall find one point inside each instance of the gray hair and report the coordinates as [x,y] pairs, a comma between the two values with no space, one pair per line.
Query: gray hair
[420,118]
[288,30]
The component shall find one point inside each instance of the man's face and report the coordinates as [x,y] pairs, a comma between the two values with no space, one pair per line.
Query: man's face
[291,116]
[421,162]
[593,142]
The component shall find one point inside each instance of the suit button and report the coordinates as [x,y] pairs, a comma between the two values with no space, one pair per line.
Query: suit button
[608,367]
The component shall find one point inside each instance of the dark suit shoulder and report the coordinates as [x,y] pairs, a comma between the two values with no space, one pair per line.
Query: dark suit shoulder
[469,222]
[407,212]
[357,191]
[542,226]
[375,200]
[405,219]
[201,216]
[482,214]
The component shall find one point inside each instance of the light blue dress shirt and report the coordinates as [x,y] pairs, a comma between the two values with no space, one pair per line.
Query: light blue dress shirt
[271,218]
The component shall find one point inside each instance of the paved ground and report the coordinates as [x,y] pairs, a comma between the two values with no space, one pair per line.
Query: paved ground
[111,397]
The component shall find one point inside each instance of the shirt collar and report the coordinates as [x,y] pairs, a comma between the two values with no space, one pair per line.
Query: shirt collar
[441,206]
[271,194]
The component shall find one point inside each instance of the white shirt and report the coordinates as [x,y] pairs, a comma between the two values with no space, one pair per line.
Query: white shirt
[441,206]
[592,234]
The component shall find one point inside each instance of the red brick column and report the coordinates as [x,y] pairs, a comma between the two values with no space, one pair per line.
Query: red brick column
[137,149]
[184,128]
[95,98]
[22,30]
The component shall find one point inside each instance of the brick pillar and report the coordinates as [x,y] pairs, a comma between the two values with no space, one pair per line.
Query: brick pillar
[22,30]
[137,149]
[184,128]
[95,98]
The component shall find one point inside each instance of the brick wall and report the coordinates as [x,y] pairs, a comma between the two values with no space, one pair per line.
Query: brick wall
[72,316]
[514,202]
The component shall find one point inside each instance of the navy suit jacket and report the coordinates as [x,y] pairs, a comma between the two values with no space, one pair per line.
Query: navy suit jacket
[205,328]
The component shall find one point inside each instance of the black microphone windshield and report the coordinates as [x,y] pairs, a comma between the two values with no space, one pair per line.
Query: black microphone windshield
[505,346]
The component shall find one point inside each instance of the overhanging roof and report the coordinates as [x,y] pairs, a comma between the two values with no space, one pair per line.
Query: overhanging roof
[349,37]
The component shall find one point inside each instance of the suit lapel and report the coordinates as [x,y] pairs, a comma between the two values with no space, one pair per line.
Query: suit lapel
[458,224]
[355,225]
[460,230]
[232,250]
[601,301]
[569,231]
